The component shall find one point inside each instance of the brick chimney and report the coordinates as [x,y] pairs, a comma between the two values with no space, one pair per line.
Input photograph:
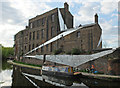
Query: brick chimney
[66,6]
[96,18]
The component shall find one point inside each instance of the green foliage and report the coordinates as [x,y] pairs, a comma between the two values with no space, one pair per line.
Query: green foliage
[58,51]
[75,51]
[89,52]
[7,51]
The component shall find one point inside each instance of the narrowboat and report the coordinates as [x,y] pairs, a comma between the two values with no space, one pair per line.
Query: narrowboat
[59,71]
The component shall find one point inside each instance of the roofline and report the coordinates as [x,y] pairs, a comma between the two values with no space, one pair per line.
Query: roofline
[43,14]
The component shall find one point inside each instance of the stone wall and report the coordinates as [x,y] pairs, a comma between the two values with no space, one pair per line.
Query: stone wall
[114,67]
[101,65]
[38,62]
[32,61]
[109,64]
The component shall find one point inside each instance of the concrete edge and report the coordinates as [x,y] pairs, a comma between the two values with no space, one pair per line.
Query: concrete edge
[101,76]
[22,65]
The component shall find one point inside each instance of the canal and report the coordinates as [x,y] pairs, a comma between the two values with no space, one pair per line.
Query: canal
[15,76]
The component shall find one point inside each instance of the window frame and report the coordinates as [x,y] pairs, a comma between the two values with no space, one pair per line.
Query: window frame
[78,34]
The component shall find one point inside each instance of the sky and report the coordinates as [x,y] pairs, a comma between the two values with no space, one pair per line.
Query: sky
[14,16]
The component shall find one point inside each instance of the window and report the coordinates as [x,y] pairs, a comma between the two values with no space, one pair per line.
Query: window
[42,33]
[34,24]
[37,34]
[52,31]
[37,49]
[53,18]
[46,47]
[25,47]
[29,47]
[78,34]
[33,35]
[81,46]
[30,36]
[43,21]
[51,47]
[33,46]
[38,23]
[31,25]
[62,38]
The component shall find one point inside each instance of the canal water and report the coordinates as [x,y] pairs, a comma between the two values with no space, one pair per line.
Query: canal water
[15,76]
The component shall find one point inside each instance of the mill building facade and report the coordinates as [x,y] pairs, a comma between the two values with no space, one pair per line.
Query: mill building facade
[54,30]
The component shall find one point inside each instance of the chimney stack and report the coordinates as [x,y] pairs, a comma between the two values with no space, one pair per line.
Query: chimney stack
[66,6]
[26,26]
[96,18]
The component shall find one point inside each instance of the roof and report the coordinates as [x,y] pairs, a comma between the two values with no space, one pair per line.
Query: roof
[88,25]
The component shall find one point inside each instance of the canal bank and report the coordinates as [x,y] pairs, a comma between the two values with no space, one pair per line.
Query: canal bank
[84,75]
[101,76]
[23,65]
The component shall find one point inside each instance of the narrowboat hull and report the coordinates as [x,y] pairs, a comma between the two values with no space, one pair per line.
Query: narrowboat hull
[59,71]
[58,74]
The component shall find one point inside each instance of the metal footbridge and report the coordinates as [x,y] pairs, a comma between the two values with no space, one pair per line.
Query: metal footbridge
[73,60]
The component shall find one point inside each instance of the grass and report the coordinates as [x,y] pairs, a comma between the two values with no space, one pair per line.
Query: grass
[90,72]
[27,64]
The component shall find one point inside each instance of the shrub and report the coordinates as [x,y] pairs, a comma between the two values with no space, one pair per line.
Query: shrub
[75,51]
[89,52]
[58,51]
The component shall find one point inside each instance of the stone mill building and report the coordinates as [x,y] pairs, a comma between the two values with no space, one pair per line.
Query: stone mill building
[54,30]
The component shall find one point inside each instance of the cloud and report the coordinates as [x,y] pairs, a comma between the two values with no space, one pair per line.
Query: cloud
[108,27]
[108,7]
[10,15]
[110,33]
[7,32]
[15,16]
[30,8]
[86,13]
[114,15]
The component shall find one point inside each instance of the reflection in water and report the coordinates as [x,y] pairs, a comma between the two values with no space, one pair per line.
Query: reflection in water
[58,81]
[5,74]
[25,77]
[18,79]
[94,83]
[22,78]
[5,78]
[5,65]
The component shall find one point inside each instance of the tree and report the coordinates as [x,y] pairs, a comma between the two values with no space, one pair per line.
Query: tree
[7,51]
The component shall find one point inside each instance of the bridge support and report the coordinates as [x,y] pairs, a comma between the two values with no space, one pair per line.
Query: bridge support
[44,58]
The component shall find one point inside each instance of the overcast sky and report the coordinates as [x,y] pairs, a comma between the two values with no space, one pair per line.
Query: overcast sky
[14,16]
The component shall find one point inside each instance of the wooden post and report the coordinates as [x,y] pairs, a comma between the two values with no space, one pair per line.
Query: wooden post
[44,58]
